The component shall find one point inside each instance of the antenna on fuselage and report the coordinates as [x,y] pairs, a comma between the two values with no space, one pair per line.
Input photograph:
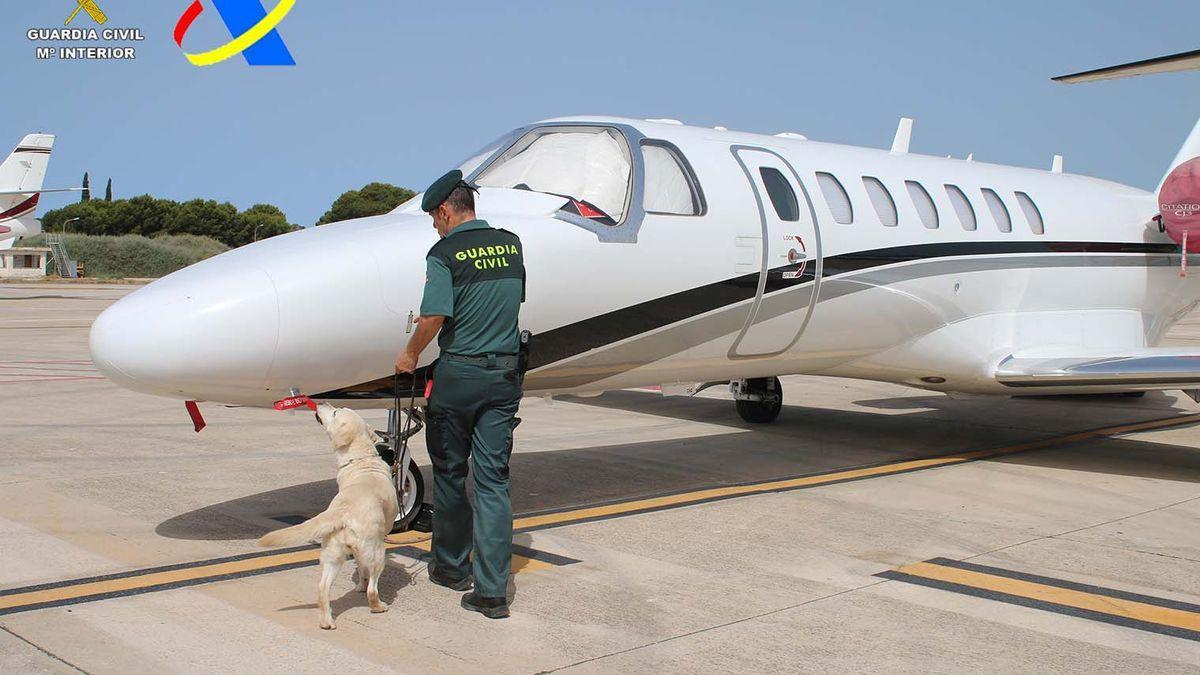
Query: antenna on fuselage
[903,136]
[1057,165]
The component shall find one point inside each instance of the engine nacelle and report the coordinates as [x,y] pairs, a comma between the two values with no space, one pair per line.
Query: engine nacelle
[1179,204]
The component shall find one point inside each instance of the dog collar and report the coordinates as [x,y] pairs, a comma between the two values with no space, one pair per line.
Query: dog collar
[356,459]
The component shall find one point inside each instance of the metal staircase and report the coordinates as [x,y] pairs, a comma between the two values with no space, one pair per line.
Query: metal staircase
[67,268]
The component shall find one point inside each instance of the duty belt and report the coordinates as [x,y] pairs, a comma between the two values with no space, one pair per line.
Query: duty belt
[490,360]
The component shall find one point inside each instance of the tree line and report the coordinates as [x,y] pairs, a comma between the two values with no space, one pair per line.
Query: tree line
[150,216]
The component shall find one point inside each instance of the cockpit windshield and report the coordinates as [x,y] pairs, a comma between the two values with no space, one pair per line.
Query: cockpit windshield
[473,162]
[589,165]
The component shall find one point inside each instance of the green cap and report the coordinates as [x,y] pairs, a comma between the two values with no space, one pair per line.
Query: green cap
[441,189]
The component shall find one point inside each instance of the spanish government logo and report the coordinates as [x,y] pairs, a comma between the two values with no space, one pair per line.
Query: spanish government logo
[252,27]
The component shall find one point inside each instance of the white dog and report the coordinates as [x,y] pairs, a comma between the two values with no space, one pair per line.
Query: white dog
[358,518]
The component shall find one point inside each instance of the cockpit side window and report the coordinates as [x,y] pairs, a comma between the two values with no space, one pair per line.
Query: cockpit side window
[671,187]
[589,165]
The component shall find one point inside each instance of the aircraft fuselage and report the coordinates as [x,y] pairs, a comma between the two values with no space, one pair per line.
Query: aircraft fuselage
[707,271]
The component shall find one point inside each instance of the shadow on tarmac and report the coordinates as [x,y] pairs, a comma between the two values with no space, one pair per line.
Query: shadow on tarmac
[803,441]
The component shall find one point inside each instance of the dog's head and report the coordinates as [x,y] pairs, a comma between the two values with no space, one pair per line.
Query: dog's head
[344,426]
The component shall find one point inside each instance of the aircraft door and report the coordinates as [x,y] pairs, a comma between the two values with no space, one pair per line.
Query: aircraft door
[789,249]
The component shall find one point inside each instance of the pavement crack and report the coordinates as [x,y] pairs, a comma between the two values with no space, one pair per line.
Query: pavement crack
[1063,535]
[51,654]
[1129,550]
[1135,515]
[715,627]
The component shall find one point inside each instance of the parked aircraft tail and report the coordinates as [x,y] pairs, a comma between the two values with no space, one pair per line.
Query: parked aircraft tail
[25,169]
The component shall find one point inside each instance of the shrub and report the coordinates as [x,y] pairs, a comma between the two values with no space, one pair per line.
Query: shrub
[134,256]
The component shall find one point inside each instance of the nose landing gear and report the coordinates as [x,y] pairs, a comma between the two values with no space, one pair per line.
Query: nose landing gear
[759,400]
[410,484]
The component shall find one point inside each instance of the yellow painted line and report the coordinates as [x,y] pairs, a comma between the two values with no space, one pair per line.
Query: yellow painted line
[686,498]
[133,583]
[67,592]
[1092,602]
[154,579]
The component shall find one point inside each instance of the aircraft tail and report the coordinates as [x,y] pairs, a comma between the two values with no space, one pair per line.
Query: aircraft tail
[1172,63]
[21,177]
[314,529]
[1189,151]
[25,168]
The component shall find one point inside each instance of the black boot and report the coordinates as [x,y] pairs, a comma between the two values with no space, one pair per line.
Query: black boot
[492,608]
[436,576]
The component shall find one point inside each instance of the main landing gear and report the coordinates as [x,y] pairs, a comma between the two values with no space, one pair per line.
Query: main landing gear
[410,484]
[759,400]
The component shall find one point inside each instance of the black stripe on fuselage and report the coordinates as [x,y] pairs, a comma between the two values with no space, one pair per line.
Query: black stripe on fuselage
[605,329]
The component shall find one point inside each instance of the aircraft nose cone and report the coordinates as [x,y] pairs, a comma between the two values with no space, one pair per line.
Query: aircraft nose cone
[208,331]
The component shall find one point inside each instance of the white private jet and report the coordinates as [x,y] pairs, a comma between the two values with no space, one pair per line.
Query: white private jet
[21,177]
[681,256]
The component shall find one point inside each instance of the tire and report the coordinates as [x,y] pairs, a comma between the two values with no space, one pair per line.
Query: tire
[409,508]
[762,412]
[417,496]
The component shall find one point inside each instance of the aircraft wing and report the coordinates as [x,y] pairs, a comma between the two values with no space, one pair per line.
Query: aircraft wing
[1135,370]
[29,192]
[1161,64]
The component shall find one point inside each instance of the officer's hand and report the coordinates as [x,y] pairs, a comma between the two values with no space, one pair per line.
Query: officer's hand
[406,363]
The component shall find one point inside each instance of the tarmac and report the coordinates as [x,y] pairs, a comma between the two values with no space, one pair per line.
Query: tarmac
[871,528]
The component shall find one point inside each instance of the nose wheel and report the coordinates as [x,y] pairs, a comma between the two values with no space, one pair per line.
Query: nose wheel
[410,492]
[759,400]
[409,482]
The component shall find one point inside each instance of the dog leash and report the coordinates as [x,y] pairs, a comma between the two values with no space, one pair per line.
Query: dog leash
[400,455]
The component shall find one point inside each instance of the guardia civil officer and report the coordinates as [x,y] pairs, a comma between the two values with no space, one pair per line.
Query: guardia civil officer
[474,287]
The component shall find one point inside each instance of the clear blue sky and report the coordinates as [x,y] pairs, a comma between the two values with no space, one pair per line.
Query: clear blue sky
[399,92]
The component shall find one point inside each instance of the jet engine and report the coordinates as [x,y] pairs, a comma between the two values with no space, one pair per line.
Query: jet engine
[1179,204]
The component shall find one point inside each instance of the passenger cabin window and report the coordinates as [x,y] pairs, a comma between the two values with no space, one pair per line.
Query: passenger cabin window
[781,194]
[882,200]
[924,203]
[671,188]
[589,165]
[1032,213]
[962,207]
[836,198]
[998,209]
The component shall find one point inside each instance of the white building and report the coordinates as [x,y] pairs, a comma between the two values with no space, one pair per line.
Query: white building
[22,263]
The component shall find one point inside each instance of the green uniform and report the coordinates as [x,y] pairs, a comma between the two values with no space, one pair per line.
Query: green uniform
[476,279]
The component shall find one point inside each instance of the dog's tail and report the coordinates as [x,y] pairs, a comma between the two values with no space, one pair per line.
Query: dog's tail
[314,529]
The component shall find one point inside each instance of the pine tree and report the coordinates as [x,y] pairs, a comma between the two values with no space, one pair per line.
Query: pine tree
[87,190]
[108,191]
